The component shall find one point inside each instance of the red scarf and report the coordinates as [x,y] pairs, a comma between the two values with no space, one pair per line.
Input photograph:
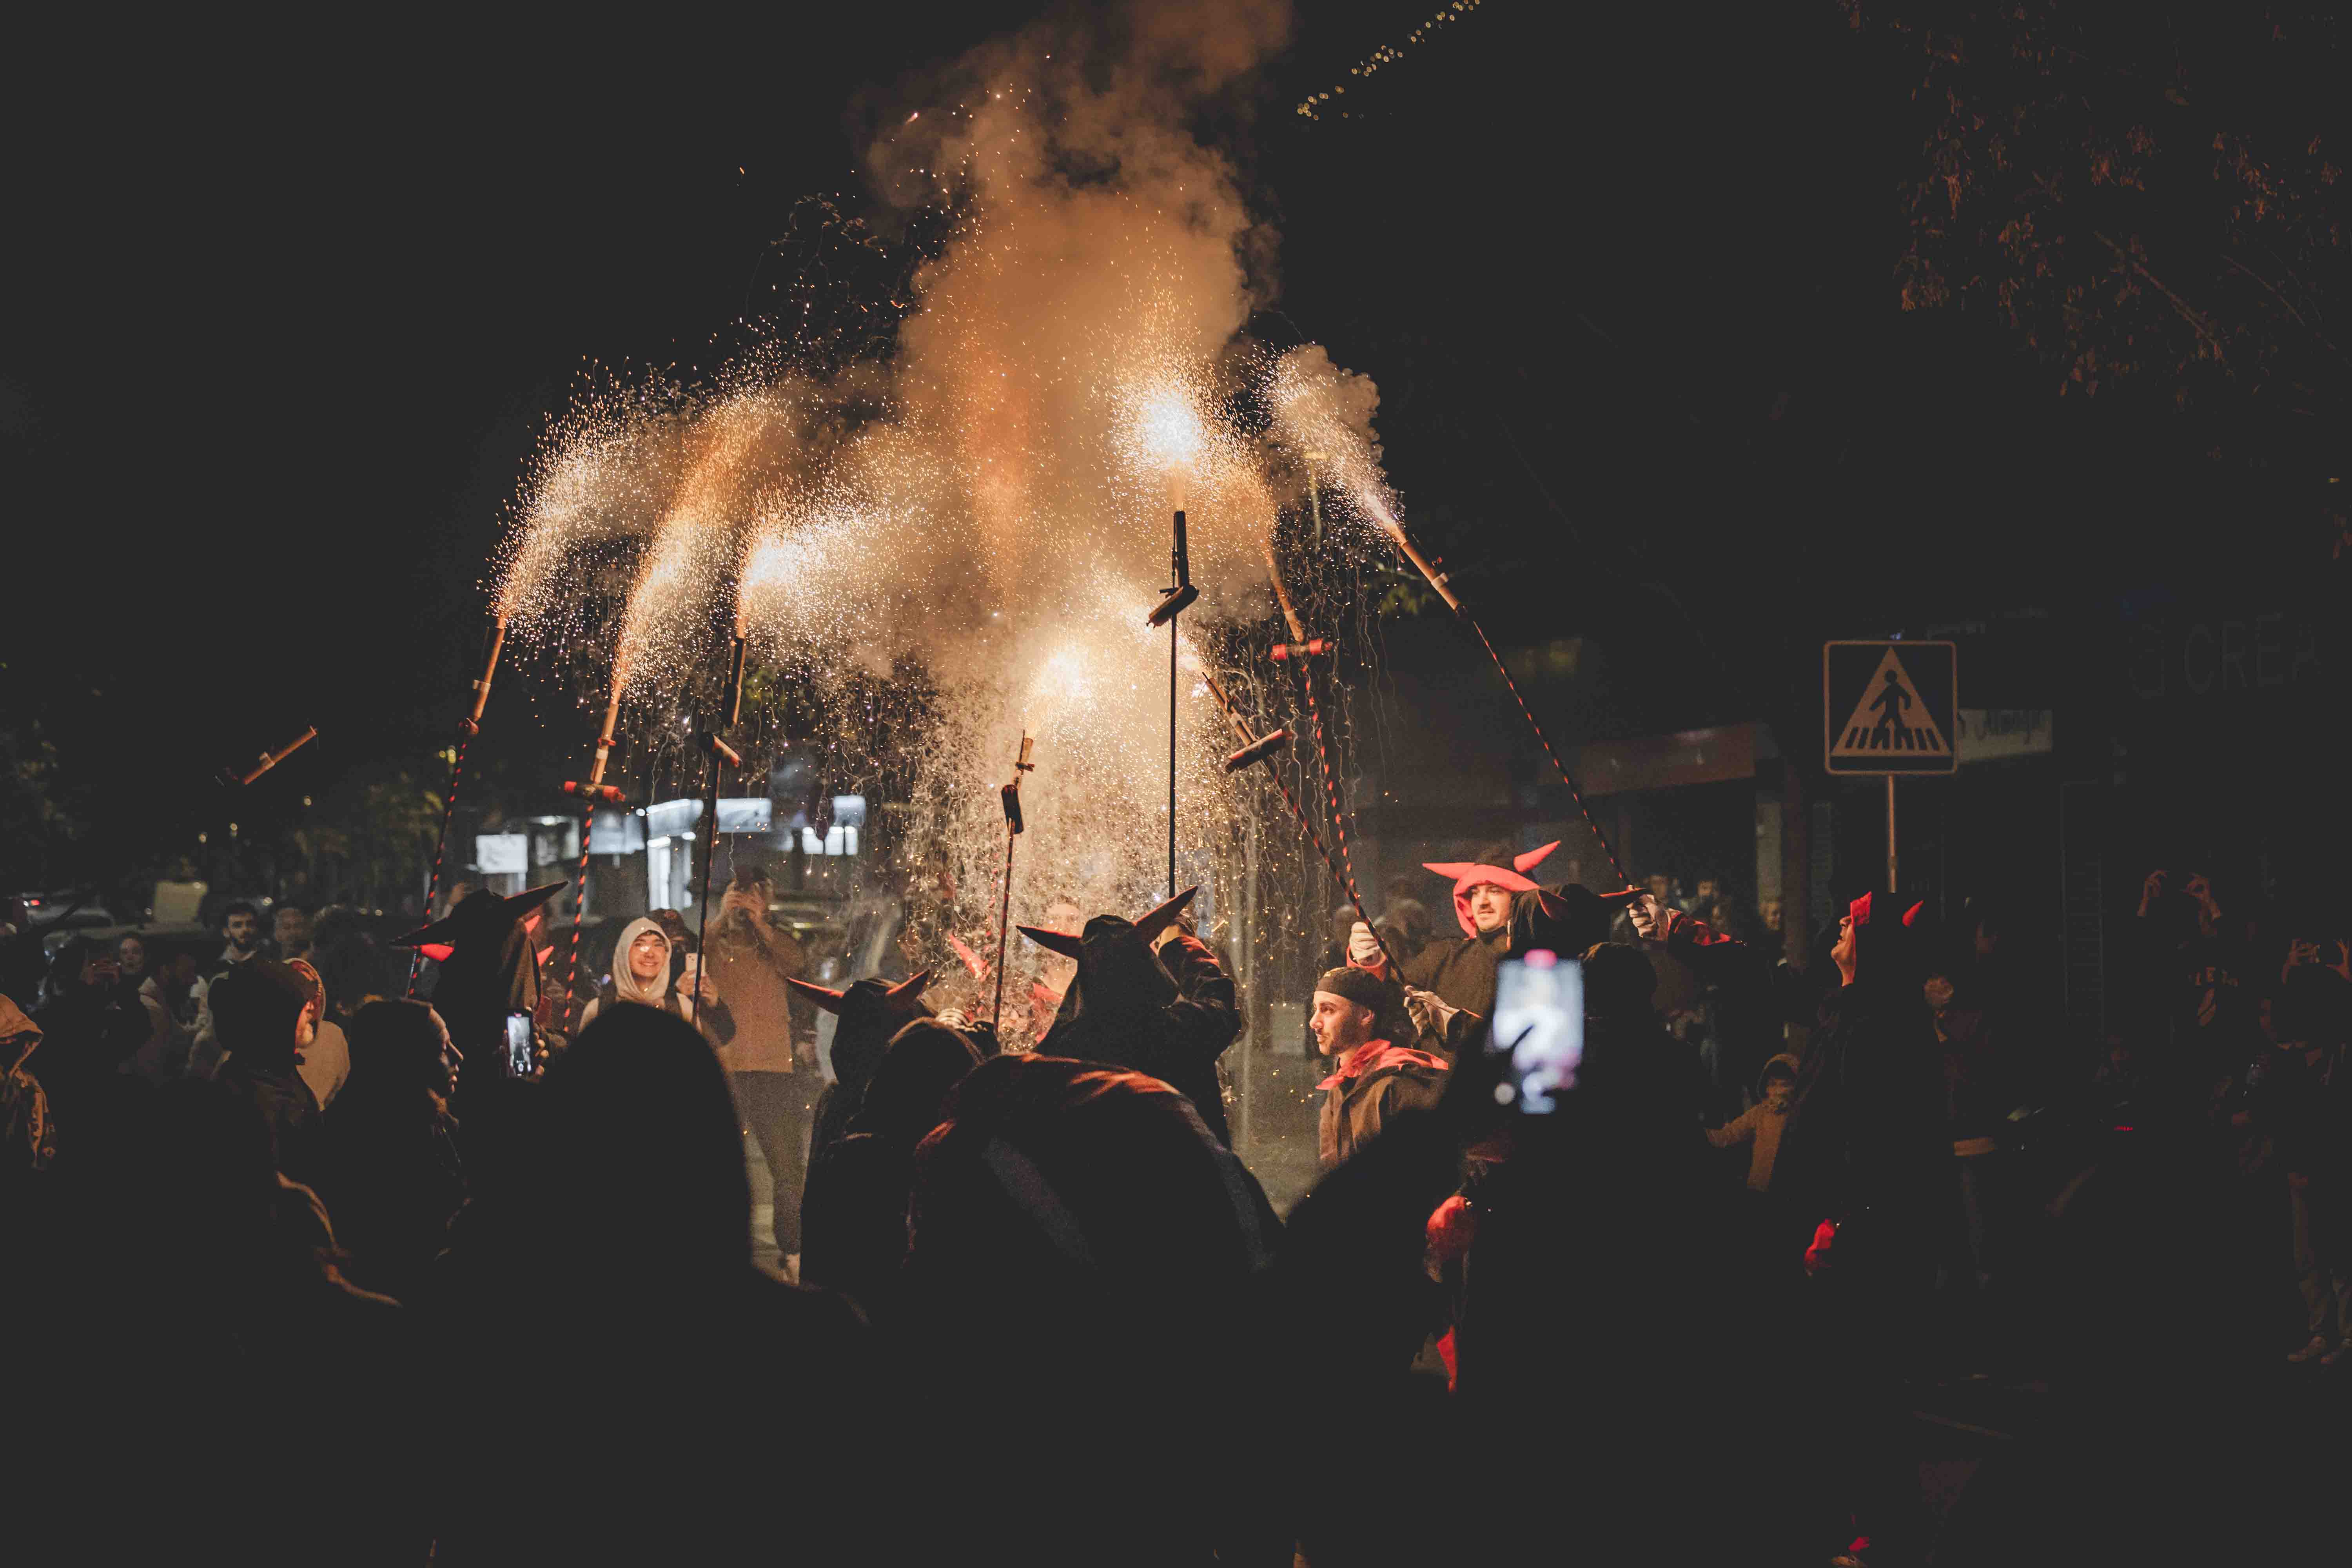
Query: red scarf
[1373,1055]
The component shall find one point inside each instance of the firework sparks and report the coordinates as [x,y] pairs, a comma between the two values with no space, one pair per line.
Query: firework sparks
[980,515]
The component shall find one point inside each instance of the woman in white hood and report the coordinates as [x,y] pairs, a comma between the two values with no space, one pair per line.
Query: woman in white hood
[641,972]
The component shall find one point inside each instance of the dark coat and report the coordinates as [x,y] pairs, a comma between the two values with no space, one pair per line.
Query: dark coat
[1462,970]
[1370,1087]
[854,1206]
[292,1111]
[1168,1014]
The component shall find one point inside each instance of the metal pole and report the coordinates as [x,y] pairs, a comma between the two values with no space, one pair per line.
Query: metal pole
[1011,796]
[1890,834]
[730,703]
[1004,924]
[1171,757]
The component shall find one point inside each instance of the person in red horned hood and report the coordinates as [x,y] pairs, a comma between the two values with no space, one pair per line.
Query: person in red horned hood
[1463,972]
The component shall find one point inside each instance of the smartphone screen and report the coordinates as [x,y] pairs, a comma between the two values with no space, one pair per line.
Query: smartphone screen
[518,1055]
[1539,1024]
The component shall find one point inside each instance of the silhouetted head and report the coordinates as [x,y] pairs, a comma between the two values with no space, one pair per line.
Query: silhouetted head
[904,1097]
[643,1156]
[871,1013]
[400,1060]
[1087,1198]
[1565,920]
[1619,983]
[259,1010]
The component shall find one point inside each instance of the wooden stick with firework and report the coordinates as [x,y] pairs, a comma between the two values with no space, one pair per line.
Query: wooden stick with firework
[1011,796]
[467,728]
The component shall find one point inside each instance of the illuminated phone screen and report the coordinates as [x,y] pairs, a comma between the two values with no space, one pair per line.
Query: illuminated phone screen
[1539,1024]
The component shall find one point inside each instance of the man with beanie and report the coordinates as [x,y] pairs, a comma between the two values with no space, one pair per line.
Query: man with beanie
[1373,1080]
[264,1014]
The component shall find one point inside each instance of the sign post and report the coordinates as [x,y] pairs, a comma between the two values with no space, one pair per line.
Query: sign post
[1889,708]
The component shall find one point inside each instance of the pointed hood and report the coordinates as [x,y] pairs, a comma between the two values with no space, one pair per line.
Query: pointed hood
[871,1012]
[1118,974]
[1469,874]
[482,916]
[492,967]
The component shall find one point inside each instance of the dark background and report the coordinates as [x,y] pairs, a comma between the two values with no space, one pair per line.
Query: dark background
[286,310]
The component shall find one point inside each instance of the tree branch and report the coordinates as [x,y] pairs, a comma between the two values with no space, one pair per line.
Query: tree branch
[2288,305]
[2188,312]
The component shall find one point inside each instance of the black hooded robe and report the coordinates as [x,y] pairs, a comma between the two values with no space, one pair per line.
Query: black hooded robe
[1121,1013]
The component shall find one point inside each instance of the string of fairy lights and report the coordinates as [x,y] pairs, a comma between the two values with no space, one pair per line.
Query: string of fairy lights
[1315,106]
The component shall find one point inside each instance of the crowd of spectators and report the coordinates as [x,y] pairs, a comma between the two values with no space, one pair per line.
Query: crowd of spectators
[316,1272]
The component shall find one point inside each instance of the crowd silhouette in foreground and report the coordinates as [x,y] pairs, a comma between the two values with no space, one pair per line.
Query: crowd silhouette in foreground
[451,1311]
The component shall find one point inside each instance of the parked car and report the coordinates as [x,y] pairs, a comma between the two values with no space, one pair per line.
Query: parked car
[69,909]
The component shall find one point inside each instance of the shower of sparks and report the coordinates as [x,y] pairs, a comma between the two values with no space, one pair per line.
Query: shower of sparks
[930,553]
[1324,415]
[1315,105]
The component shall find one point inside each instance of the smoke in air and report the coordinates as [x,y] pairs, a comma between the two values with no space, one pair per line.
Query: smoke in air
[989,505]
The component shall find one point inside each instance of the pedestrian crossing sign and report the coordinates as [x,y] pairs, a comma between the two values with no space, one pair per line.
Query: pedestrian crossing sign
[1887,706]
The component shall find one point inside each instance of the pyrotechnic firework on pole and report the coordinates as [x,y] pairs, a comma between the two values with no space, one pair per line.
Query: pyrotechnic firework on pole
[467,728]
[730,707]
[1012,826]
[1305,396]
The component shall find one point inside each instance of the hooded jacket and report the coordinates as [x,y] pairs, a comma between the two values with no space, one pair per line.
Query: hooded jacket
[27,1137]
[854,1210]
[1759,1127]
[1168,1014]
[626,987]
[871,1013]
[1369,1086]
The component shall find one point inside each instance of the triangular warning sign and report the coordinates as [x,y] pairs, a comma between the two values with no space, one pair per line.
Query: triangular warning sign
[1890,719]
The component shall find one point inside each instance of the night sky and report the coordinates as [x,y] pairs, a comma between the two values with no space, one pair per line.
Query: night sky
[285,313]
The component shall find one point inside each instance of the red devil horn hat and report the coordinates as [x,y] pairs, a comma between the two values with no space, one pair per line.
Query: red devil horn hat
[1469,874]
[906,990]
[471,919]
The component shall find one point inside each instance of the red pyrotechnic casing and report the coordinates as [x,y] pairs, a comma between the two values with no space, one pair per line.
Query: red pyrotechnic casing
[1313,648]
[608,794]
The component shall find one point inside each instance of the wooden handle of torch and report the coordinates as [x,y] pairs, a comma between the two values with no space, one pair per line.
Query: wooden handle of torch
[473,724]
[604,740]
[1437,578]
[270,760]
